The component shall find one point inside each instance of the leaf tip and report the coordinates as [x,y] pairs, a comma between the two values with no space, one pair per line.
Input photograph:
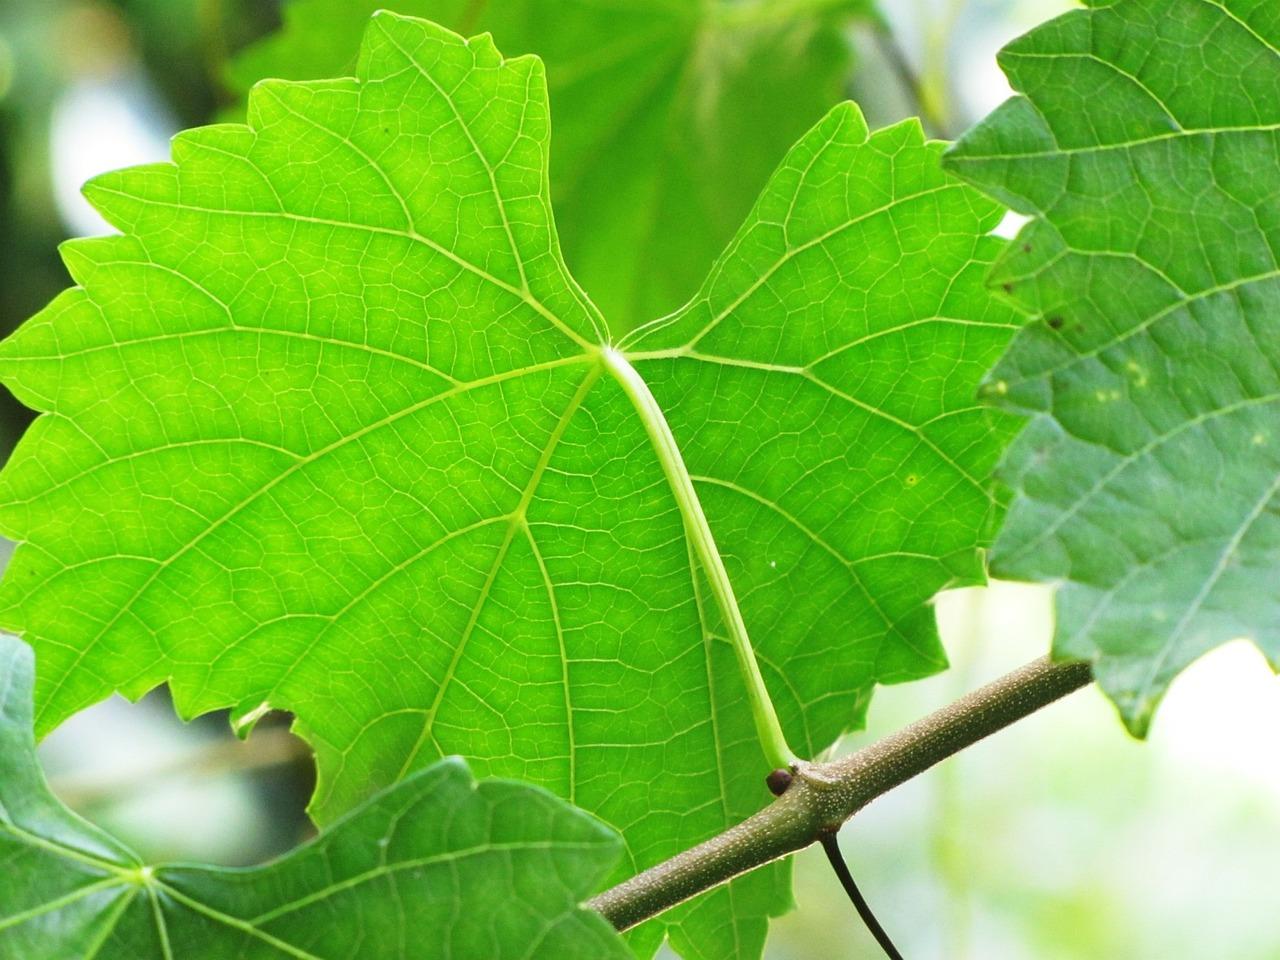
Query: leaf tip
[848,115]
[244,720]
[456,768]
[1137,719]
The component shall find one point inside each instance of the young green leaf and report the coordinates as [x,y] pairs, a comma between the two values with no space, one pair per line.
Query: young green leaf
[437,866]
[670,115]
[331,428]
[1146,145]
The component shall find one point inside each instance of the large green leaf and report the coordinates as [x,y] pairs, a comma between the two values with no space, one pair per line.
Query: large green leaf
[1146,144]
[437,866]
[331,428]
[670,115]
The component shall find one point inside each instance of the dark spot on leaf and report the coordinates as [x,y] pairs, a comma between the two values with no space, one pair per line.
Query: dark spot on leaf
[912,479]
[1007,287]
[1055,323]
[1026,248]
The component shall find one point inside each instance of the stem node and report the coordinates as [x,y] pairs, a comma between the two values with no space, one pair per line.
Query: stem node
[820,797]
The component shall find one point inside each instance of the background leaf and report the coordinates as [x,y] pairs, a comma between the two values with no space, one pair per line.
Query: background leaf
[1146,143]
[437,866]
[329,429]
[669,115]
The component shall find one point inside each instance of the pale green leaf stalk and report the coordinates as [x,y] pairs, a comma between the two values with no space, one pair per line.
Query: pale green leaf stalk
[768,729]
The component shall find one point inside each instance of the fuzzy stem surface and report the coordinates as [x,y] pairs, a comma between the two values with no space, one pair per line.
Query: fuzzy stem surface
[822,796]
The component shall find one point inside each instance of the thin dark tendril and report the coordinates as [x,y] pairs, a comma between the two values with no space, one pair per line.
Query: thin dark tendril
[832,848]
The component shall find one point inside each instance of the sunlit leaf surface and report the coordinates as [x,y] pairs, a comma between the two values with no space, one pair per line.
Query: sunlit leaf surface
[330,428]
[669,115]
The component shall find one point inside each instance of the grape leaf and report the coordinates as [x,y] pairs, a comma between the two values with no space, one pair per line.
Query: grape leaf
[670,115]
[1146,145]
[331,428]
[439,862]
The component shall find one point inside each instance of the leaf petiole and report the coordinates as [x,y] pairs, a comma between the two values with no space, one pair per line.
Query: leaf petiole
[768,728]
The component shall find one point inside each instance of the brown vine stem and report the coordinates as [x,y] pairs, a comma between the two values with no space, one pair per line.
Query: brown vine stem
[822,796]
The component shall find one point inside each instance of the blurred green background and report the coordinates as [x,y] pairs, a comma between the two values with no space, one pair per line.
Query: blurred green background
[1060,838]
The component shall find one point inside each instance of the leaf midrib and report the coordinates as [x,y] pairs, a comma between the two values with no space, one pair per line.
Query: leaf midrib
[524,295]
[517,520]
